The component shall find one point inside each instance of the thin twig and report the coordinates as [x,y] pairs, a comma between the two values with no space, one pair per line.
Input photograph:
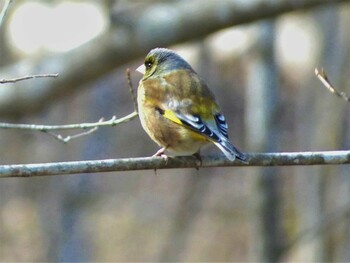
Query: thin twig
[3,81]
[68,138]
[4,11]
[322,76]
[131,88]
[48,129]
[34,127]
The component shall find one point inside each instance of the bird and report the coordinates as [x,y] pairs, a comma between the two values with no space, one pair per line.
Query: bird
[177,109]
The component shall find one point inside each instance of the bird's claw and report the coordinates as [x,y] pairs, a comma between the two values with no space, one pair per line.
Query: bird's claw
[161,153]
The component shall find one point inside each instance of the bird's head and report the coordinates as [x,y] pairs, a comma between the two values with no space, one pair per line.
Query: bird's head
[161,61]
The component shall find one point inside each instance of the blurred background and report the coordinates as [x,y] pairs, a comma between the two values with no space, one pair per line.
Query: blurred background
[259,63]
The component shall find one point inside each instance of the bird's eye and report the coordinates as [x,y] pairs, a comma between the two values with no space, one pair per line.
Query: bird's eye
[148,65]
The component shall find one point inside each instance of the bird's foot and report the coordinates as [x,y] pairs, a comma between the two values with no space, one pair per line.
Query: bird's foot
[161,153]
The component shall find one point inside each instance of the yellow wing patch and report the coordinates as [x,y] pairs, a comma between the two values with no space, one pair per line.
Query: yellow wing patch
[171,116]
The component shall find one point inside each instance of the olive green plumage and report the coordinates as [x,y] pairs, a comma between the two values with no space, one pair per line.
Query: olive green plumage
[177,109]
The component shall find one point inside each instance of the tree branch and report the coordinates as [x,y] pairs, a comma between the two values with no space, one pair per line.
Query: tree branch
[153,163]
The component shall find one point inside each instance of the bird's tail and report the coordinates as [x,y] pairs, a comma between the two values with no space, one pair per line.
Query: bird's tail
[230,151]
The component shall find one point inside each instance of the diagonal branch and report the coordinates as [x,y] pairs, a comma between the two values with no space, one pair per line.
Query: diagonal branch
[322,76]
[68,138]
[4,11]
[152,163]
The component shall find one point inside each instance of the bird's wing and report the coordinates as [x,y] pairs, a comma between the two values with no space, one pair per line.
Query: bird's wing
[214,130]
[190,103]
[211,125]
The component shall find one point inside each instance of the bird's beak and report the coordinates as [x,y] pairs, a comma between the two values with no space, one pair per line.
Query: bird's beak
[141,69]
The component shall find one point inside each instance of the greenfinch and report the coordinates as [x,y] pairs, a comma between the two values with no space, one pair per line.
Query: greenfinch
[177,109]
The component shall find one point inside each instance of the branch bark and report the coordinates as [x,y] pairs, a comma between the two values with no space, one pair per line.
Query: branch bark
[157,25]
[154,163]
